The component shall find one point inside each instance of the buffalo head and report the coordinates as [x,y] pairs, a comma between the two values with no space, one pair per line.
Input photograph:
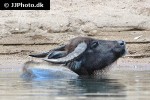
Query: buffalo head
[85,55]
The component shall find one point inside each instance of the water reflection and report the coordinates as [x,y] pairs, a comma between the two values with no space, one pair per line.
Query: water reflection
[114,86]
[101,86]
[82,86]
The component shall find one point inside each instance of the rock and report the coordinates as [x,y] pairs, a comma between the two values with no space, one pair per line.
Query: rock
[137,37]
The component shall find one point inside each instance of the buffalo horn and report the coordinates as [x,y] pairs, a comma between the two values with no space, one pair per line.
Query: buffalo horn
[42,55]
[74,54]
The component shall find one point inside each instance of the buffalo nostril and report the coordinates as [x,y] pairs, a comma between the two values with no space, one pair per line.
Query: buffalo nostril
[121,43]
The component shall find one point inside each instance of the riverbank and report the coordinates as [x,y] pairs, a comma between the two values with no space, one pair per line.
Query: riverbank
[14,49]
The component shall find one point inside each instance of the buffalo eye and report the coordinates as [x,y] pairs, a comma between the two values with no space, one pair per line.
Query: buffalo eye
[94,44]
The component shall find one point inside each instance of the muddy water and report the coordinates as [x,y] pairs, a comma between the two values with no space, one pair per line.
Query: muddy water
[116,85]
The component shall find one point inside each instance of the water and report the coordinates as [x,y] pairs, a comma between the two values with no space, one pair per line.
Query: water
[114,85]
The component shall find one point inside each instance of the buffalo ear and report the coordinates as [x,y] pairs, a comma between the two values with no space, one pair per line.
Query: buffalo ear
[41,55]
[56,54]
[94,44]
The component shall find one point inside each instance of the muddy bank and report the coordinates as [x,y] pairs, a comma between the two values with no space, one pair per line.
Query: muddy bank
[14,49]
[138,42]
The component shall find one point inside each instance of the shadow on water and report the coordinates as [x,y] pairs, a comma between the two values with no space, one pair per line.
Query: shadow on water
[102,86]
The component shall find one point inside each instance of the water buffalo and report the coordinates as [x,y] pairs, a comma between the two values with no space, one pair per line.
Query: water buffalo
[84,55]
